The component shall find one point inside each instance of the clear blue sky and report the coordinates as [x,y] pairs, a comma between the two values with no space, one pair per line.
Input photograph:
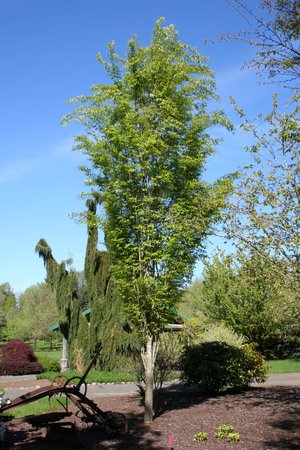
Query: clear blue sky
[48,54]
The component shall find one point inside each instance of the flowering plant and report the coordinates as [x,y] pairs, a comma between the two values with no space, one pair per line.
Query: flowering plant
[3,401]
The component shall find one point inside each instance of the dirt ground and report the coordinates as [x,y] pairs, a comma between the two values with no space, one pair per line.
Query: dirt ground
[265,417]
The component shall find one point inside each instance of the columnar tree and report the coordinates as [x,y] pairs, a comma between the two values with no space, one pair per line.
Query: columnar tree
[64,285]
[108,323]
[93,261]
[147,141]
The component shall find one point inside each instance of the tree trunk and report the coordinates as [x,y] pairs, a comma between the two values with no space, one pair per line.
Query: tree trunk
[149,356]
[64,356]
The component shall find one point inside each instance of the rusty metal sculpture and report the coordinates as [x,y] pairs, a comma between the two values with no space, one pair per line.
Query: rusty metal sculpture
[90,412]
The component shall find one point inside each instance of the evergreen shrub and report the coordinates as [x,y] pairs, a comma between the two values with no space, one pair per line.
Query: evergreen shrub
[221,333]
[216,366]
[18,359]
[49,364]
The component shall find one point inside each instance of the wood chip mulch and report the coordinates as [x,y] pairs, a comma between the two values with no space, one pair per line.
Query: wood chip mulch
[265,417]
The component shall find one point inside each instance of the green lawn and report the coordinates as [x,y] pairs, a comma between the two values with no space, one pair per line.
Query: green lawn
[284,366]
[54,354]
[44,346]
[41,406]
[94,376]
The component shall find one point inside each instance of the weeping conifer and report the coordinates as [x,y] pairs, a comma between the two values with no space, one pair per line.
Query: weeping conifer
[64,285]
[108,322]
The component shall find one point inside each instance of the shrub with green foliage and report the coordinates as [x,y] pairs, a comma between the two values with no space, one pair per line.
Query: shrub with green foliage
[252,366]
[49,364]
[221,333]
[216,366]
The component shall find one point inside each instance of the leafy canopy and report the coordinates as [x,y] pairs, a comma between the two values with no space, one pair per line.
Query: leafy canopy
[251,294]
[263,212]
[275,37]
[146,137]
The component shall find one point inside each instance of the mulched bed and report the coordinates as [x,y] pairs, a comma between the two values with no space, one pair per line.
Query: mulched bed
[265,417]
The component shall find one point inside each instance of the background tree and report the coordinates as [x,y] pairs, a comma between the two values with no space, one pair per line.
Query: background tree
[276,38]
[263,212]
[37,311]
[252,295]
[191,310]
[8,306]
[147,141]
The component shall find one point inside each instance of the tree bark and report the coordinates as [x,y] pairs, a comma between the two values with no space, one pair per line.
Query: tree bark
[64,356]
[148,357]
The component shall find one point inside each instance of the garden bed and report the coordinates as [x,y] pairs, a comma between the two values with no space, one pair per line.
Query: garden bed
[265,418]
